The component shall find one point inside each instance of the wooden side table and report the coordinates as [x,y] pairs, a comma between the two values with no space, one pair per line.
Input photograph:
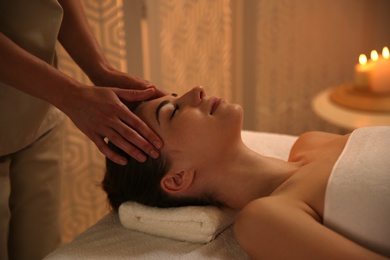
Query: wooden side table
[345,117]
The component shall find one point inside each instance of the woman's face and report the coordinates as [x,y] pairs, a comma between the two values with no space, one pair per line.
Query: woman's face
[193,123]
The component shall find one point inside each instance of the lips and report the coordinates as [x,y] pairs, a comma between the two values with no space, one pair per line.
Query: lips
[215,102]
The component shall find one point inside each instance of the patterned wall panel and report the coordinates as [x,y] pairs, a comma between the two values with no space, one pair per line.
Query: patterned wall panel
[196,46]
[83,200]
[106,20]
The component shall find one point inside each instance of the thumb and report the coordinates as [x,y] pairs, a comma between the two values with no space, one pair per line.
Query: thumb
[133,95]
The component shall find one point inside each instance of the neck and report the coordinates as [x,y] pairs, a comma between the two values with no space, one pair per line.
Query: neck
[246,175]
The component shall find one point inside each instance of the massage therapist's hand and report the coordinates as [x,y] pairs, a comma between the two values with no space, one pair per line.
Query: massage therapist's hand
[135,132]
[99,113]
[110,77]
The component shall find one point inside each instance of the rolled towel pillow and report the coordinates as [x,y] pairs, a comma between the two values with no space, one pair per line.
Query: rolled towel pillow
[196,224]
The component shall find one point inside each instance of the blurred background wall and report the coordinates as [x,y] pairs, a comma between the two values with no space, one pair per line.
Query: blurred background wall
[270,56]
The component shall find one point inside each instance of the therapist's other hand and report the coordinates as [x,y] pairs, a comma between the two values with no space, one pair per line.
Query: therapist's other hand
[100,113]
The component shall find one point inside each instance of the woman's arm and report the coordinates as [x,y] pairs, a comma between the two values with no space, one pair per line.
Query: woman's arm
[97,112]
[77,38]
[281,228]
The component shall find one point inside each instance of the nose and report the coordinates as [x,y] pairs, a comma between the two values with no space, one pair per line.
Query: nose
[193,97]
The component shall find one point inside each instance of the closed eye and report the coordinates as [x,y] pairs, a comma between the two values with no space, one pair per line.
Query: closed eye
[174,111]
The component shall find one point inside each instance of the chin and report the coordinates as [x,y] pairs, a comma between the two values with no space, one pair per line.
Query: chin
[237,115]
[235,121]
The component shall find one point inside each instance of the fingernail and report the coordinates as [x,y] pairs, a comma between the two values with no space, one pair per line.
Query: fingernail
[154,154]
[157,144]
[122,162]
[141,157]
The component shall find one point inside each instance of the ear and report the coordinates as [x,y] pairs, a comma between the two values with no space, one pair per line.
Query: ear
[177,181]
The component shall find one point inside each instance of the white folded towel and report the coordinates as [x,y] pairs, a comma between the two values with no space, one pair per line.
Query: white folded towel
[197,224]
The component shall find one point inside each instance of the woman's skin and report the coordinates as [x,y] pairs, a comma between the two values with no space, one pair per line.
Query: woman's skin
[281,203]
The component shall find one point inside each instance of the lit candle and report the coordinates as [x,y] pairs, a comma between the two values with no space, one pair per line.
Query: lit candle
[363,73]
[385,53]
[381,73]
[374,55]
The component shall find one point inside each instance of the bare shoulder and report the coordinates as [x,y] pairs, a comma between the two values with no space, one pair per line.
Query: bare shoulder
[311,140]
[315,138]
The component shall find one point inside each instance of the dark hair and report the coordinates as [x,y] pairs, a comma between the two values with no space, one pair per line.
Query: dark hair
[140,182]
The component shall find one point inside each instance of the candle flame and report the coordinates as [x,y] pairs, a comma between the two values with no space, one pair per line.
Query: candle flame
[374,55]
[385,53]
[362,59]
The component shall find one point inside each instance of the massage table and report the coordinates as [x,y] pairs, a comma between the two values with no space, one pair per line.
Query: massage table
[108,239]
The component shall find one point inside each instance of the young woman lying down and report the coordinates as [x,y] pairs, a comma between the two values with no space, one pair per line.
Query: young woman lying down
[330,200]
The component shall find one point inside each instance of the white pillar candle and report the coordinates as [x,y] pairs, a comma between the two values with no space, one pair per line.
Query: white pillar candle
[381,73]
[363,73]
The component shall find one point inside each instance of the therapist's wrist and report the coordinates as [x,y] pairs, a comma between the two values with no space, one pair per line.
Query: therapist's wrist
[67,94]
[99,73]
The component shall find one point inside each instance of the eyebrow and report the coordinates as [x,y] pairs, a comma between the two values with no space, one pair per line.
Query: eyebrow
[163,103]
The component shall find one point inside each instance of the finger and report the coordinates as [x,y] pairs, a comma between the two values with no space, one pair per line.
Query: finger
[132,95]
[130,148]
[160,93]
[133,125]
[110,154]
[140,142]
[142,83]
[133,82]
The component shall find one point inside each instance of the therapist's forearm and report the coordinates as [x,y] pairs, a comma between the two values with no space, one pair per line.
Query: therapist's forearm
[77,38]
[26,72]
